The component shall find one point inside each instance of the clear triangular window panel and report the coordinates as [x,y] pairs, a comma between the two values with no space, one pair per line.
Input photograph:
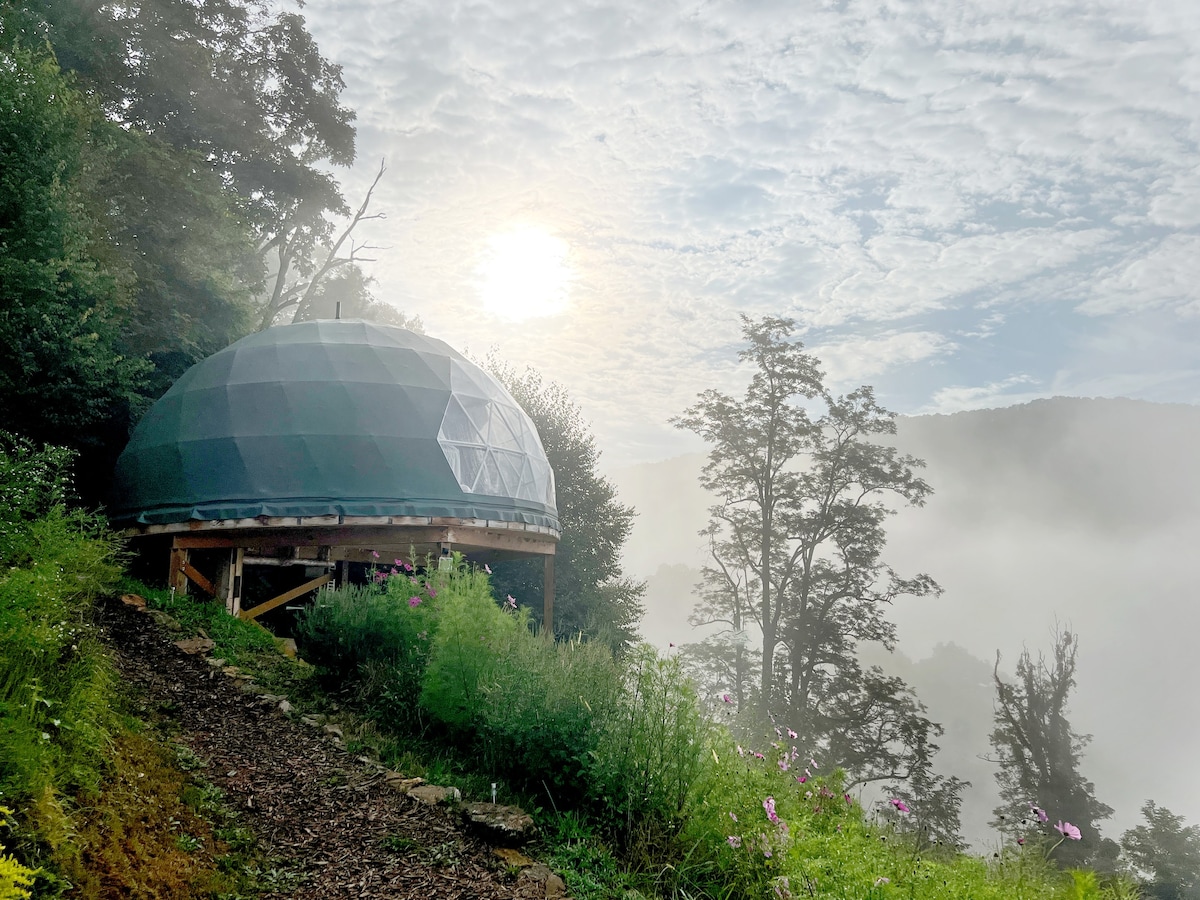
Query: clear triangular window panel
[457,425]
[510,471]
[489,479]
[480,413]
[502,433]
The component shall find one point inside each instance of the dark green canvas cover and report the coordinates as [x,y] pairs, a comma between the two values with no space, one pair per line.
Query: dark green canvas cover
[334,418]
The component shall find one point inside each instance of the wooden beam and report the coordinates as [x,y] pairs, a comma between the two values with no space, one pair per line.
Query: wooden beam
[199,580]
[548,597]
[176,580]
[273,603]
[229,583]
[397,538]
[286,523]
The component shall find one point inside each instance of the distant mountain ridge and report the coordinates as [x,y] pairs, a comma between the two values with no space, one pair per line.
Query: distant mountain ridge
[1115,463]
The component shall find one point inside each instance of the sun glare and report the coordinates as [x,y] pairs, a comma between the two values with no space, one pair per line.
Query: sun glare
[524,274]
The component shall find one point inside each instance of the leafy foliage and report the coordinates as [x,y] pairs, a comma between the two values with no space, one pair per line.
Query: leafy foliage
[1167,852]
[63,373]
[796,538]
[593,598]
[1039,753]
[15,879]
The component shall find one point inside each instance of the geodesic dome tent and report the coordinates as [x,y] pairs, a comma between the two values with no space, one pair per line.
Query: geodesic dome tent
[345,438]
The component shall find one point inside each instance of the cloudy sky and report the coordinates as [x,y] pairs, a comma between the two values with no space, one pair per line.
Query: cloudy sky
[965,204]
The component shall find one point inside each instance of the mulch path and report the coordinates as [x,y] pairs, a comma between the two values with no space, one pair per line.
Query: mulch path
[324,812]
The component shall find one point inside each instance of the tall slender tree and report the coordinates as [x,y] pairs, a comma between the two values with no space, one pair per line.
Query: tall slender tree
[802,483]
[1039,753]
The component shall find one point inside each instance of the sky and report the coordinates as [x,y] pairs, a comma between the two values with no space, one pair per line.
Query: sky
[964,204]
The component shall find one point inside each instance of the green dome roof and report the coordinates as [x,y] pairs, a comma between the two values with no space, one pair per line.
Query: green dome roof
[343,418]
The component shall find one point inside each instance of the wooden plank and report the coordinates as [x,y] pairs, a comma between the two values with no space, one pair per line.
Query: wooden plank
[380,538]
[290,561]
[261,524]
[548,597]
[176,580]
[274,602]
[235,592]
[199,580]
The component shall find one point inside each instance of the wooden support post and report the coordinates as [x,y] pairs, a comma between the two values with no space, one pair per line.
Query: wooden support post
[176,579]
[255,611]
[548,597]
[229,581]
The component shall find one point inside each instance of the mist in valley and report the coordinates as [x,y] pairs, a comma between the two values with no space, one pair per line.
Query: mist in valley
[1063,513]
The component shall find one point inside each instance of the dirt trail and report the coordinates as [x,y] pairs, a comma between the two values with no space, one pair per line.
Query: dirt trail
[322,810]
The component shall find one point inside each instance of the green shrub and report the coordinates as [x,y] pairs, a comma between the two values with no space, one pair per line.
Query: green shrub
[652,751]
[467,650]
[32,482]
[55,681]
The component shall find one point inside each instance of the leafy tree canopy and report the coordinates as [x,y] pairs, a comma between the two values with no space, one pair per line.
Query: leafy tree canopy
[62,373]
[802,486]
[1039,753]
[1166,852]
[592,596]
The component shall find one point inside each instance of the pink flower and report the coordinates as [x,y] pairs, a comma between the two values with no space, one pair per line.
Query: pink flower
[414,602]
[769,806]
[792,734]
[900,805]
[783,764]
[741,752]
[1020,842]
[432,593]
[733,816]
[375,553]
[510,602]
[1039,812]
[399,562]
[1067,830]
[487,568]
[800,779]
[848,800]
[813,763]
[734,841]
[670,645]
[726,698]
[758,755]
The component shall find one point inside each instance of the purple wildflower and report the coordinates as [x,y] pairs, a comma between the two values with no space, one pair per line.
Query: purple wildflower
[769,806]
[1067,830]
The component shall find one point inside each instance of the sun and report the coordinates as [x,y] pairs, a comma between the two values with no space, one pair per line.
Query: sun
[525,274]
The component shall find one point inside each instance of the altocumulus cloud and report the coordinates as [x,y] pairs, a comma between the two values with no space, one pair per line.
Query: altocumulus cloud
[876,169]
